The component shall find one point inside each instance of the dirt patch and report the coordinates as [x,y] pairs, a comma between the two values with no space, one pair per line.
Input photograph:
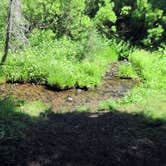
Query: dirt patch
[88,139]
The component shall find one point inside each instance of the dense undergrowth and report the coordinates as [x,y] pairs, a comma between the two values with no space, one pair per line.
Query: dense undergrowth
[149,97]
[60,63]
[71,42]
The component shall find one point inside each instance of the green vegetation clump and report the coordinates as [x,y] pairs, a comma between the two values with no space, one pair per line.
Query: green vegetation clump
[83,109]
[127,71]
[108,105]
[62,63]
[148,97]
[35,108]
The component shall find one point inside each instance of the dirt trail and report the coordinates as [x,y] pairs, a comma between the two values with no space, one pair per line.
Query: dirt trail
[110,87]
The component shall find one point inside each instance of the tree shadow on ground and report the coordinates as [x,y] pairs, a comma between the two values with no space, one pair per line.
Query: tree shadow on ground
[88,139]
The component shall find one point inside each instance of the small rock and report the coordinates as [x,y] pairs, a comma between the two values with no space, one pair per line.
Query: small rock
[79,91]
[69,99]
[33,84]
[134,147]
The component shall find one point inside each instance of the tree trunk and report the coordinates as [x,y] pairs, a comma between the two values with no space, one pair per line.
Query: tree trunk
[8,31]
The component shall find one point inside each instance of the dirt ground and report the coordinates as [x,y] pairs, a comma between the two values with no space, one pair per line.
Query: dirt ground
[88,139]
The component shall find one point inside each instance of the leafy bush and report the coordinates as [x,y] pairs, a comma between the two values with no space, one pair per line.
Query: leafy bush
[143,23]
[64,17]
[105,17]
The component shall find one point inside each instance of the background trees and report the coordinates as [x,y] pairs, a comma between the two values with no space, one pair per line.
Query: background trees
[141,21]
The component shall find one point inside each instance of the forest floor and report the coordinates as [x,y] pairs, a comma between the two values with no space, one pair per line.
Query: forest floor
[85,138]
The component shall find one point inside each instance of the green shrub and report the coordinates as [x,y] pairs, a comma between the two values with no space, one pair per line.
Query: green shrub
[107,105]
[142,21]
[127,71]
[105,17]
[149,66]
[151,69]
[123,48]
[83,109]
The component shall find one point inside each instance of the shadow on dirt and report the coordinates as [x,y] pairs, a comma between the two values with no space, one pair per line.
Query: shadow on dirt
[88,139]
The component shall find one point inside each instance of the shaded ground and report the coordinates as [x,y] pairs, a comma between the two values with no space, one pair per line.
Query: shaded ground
[88,139]
[110,87]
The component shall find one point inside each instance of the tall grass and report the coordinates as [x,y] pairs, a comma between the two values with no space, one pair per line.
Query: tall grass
[148,97]
[60,62]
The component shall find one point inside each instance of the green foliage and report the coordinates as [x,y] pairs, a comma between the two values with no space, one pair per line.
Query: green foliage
[125,10]
[3,16]
[151,68]
[149,97]
[162,49]
[106,17]
[83,109]
[108,105]
[34,109]
[68,17]
[124,49]
[63,63]
[143,22]
[127,71]
[64,17]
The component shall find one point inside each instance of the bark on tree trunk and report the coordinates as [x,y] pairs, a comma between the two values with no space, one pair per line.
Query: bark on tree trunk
[8,31]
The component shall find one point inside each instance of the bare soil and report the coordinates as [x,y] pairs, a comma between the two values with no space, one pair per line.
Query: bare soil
[88,139]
